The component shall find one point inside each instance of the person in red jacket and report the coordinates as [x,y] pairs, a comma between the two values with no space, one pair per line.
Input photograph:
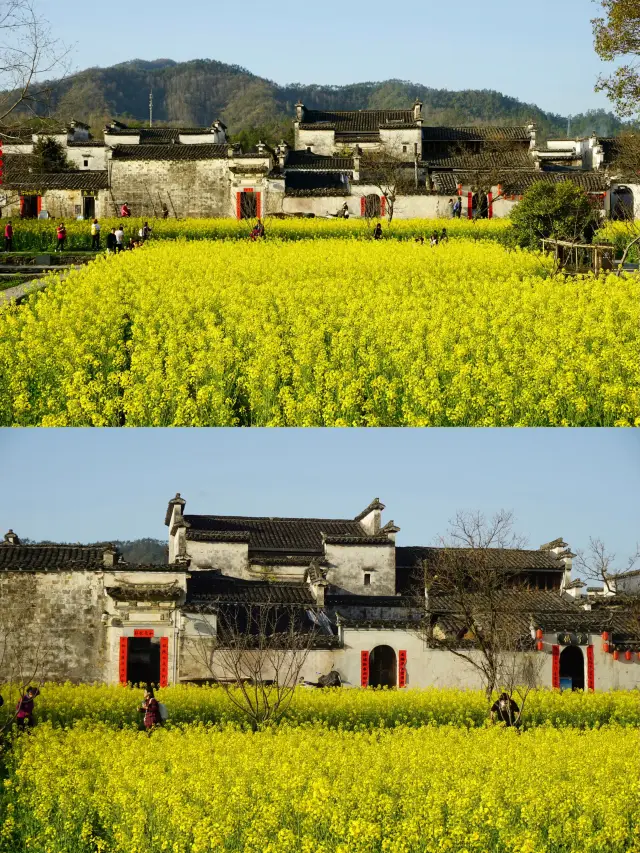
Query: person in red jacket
[24,708]
[151,709]
[125,210]
[8,237]
[61,233]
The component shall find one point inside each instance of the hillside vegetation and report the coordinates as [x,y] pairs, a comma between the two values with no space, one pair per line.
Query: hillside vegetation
[201,90]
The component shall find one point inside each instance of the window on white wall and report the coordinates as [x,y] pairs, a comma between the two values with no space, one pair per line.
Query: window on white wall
[86,164]
[367,578]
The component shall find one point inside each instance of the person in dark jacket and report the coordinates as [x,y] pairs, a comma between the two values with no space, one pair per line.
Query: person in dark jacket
[24,708]
[111,240]
[505,710]
[377,233]
[151,709]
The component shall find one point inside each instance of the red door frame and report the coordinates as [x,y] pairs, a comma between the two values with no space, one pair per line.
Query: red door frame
[122,670]
[402,668]
[239,202]
[591,670]
[555,666]
[469,205]
[364,669]
[164,661]
[490,205]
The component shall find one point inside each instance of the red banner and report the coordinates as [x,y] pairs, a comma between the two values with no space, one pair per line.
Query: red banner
[238,205]
[164,661]
[383,206]
[364,669]
[470,205]
[363,206]
[258,205]
[490,205]
[123,660]
[591,670]
[555,666]
[402,668]
[143,632]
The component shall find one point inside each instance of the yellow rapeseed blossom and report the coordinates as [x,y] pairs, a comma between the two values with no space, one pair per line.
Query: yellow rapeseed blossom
[323,332]
[199,789]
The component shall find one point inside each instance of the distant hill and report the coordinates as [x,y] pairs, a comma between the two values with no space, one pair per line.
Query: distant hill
[195,93]
[137,551]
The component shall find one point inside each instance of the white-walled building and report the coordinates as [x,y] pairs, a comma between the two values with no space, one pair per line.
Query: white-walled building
[345,579]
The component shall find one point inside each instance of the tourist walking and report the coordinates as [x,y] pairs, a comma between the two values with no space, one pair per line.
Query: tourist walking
[151,709]
[111,241]
[61,234]
[434,238]
[119,238]
[451,208]
[505,710]
[24,708]
[8,237]
[377,232]
[125,210]
[457,208]
[145,232]
[95,235]
[444,236]
[165,211]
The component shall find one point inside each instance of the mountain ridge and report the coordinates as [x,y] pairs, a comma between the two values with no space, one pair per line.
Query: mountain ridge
[198,91]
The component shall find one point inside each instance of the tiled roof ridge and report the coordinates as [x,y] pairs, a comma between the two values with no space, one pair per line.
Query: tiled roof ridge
[265,518]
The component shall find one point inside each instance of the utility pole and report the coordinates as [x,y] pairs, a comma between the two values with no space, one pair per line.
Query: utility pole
[569,128]
[151,108]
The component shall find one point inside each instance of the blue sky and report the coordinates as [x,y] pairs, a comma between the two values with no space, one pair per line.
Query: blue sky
[540,53]
[87,485]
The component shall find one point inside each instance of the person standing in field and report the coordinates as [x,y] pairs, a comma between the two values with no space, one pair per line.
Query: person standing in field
[95,235]
[119,238]
[151,709]
[451,208]
[377,232]
[61,234]
[125,210]
[111,241]
[8,237]
[24,708]
[165,211]
[444,236]
[457,208]
[505,710]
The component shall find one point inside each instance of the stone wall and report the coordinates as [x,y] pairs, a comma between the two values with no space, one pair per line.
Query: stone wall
[62,625]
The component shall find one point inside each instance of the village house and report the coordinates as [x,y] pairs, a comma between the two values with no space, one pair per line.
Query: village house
[100,618]
[359,160]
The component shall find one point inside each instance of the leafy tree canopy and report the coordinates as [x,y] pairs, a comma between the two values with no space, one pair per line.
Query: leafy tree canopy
[559,211]
[48,156]
[617,34]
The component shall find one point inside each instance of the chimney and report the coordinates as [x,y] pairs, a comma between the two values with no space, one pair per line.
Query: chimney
[317,580]
[261,148]
[356,162]
[174,509]
[109,556]
[417,111]
[11,538]
[282,151]
[531,129]
[390,529]
[299,111]
[370,518]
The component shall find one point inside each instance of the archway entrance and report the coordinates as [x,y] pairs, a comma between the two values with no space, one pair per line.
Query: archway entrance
[572,668]
[622,204]
[383,671]
[372,206]
[143,660]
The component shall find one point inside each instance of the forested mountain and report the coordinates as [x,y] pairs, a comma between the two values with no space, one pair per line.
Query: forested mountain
[199,91]
[137,551]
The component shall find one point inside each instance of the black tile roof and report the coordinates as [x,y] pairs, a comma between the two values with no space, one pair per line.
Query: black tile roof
[89,143]
[516,159]
[508,601]
[508,558]
[308,160]
[445,182]
[292,535]
[205,590]
[170,152]
[158,135]
[346,600]
[50,558]
[474,134]
[145,592]
[350,121]
[85,179]
[519,182]
[308,181]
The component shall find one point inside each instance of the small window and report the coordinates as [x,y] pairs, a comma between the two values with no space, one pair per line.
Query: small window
[309,148]
[404,149]
[86,164]
[367,578]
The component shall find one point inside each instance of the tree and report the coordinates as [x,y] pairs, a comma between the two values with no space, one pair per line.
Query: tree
[598,564]
[558,211]
[28,51]
[256,653]
[391,173]
[617,34]
[49,156]
[471,604]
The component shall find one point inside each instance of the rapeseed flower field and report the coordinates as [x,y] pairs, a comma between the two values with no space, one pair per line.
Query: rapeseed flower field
[40,235]
[198,789]
[323,333]
[64,705]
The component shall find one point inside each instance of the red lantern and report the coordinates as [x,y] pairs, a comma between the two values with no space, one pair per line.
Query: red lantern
[605,648]
[540,645]
[616,655]
[605,636]
[627,655]
[539,633]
